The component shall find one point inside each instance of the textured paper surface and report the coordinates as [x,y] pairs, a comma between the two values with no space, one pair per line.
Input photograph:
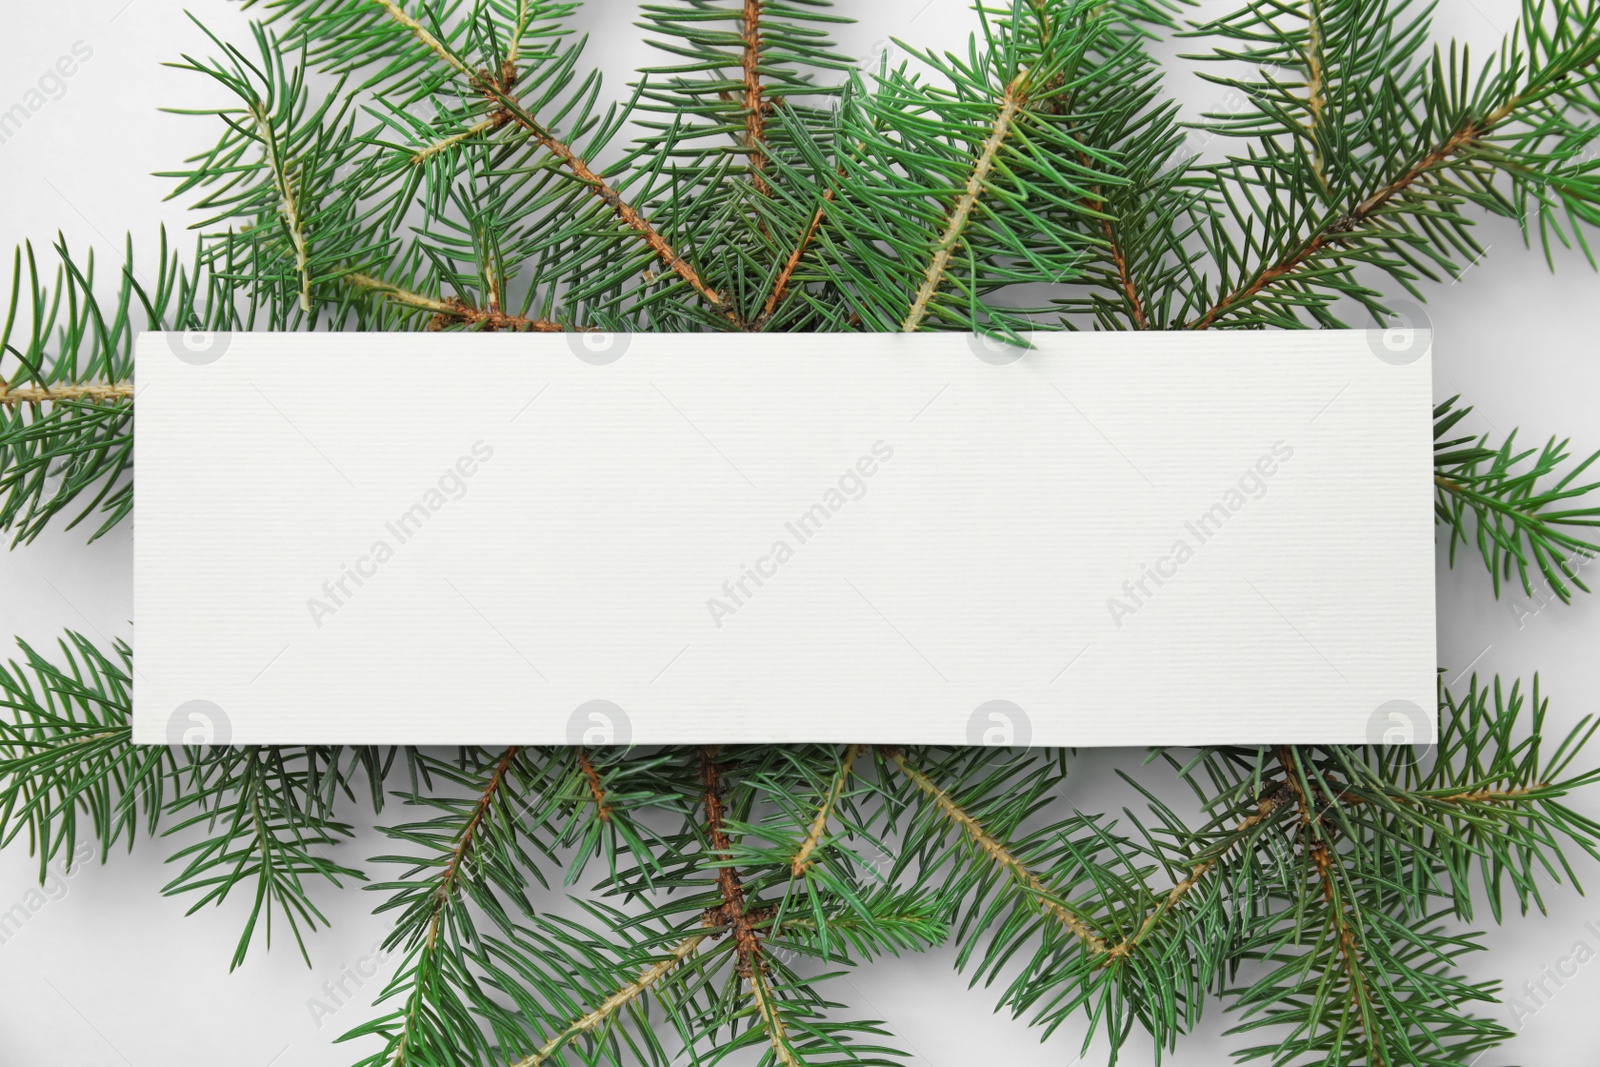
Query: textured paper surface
[1115,539]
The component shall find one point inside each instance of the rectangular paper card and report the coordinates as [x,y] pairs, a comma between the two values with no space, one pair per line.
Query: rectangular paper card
[1109,539]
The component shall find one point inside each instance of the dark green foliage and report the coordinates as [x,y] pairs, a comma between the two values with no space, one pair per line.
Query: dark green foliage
[1515,510]
[65,752]
[267,814]
[455,164]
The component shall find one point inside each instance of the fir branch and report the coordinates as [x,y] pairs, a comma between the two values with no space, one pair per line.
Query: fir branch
[472,864]
[464,845]
[1407,141]
[602,808]
[66,751]
[732,913]
[802,858]
[777,1033]
[1316,89]
[1141,320]
[1270,803]
[1325,861]
[66,439]
[1341,227]
[618,1000]
[1492,497]
[982,172]
[997,853]
[961,213]
[267,813]
[454,308]
[494,122]
[1045,152]
[630,216]
[288,204]
[492,89]
[428,40]
[780,284]
[735,914]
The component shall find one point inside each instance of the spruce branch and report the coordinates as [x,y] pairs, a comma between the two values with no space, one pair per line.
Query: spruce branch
[1010,103]
[785,278]
[472,854]
[494,122]
[1346,226]
[66,752]
[777,1033]
[1377,175]
[288,204]
[1269,804]
[427,39]
[66,442]
[497,90]
[617,1001]
[268,816]
[629,215]
[997,853]
[819,825]
[1130,288]
[1342,924]
[997,194]
[732,913]
[602,807]
[1514,504]
[465,842]
[271,177]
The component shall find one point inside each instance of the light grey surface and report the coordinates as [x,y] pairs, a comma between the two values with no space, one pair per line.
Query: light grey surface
[103,971]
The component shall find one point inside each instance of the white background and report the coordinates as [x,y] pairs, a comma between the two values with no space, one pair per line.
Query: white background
[111,973]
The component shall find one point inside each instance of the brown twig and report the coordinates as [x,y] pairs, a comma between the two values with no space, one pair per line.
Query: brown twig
[718,920]
[732,914]
[1129,289]
[780,286]
[491,318]
[627,213]
[755,117]
[35,394]
[735,915]
[596,789]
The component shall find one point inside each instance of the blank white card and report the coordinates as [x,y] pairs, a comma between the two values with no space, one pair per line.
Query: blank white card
[1110,539]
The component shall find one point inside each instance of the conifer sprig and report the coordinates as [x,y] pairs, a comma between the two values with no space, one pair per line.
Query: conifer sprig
[66,754]
[1513,504]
